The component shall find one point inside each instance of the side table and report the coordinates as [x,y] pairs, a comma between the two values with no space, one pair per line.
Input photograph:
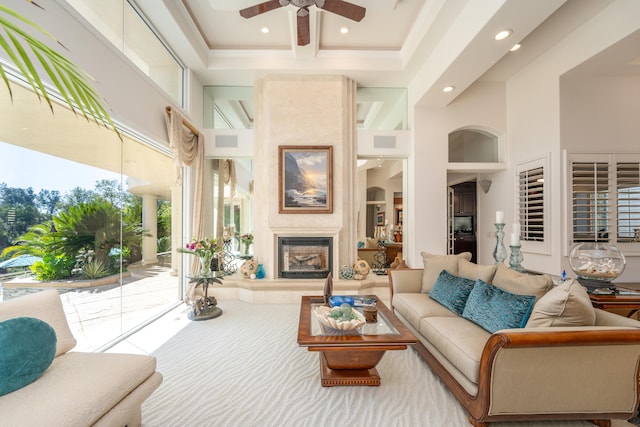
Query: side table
[206,307]
[624,301]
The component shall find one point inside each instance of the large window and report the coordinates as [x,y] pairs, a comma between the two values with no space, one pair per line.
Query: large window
[124,26]
[605,191]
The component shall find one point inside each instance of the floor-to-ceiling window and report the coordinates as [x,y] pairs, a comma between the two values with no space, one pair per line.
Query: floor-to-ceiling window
[78,209]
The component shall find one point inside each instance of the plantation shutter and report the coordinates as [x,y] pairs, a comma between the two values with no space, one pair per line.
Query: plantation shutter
[628,200]
[531,204]
[591,201]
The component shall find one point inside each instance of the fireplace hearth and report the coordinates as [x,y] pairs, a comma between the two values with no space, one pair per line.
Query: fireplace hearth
[305,257]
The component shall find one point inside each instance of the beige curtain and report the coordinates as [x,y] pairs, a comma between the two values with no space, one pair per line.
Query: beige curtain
[188,150]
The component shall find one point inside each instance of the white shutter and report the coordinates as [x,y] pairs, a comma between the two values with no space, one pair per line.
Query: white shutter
[531,204]
[591,201]
[628,200]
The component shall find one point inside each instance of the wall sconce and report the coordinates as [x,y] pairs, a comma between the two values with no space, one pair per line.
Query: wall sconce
[485,184]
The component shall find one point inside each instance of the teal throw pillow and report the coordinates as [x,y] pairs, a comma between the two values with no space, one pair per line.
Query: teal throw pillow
[452,291]
[493,308]
[27,348]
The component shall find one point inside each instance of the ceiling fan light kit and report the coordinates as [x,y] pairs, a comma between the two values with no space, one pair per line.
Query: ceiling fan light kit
[339,7]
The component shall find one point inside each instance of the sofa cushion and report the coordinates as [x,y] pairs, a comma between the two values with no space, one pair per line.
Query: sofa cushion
[567,304]
[452,291]
[415,306]
[27,348]
[434,264]
[78,389]
[46,306]
[459,340]
[494,309]
[521,283]
[471,270]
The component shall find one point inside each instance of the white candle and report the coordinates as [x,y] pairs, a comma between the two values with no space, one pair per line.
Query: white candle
[499,217]
[515,234]
[515,239]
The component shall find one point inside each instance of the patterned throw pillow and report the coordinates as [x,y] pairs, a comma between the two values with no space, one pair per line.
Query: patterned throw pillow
[452,291]
[493,308]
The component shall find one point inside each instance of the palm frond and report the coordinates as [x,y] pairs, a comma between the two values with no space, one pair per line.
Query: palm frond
[71,82]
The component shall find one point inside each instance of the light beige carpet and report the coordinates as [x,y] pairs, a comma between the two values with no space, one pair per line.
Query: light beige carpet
[245,368]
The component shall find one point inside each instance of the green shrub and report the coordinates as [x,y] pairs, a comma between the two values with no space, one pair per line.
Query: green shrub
[53,267]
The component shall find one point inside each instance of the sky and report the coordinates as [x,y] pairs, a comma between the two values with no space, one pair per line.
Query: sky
[23,168]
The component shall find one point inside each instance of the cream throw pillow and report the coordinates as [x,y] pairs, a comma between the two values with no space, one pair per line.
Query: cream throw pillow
[567,304]
[434,264]
[521,283]
[473,271]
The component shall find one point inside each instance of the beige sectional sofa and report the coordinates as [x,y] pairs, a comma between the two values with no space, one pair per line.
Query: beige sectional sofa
[563,359]
[77,389]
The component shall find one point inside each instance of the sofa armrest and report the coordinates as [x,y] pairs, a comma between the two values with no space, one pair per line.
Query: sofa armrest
[405,280]
[559,370]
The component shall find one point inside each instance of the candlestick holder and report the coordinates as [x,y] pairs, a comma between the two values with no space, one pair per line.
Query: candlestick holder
[516,258]
[500,252]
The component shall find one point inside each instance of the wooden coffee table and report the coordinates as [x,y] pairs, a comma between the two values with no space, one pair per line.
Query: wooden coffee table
[349,358]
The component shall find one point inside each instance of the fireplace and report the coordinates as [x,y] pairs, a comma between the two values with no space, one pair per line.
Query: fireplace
[305,257]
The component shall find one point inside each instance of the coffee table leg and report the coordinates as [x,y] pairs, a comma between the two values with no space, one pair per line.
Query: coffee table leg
[347,377]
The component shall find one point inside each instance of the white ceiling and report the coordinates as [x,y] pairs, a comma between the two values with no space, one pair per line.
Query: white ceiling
[421,44]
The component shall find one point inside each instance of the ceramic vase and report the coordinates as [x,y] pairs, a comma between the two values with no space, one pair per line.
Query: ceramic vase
[260,272]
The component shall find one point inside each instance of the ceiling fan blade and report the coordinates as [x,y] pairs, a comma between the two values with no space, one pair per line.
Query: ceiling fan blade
[343,8]
[257,9]
[303,27]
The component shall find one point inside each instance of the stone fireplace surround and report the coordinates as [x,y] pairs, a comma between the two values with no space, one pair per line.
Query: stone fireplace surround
[306,110]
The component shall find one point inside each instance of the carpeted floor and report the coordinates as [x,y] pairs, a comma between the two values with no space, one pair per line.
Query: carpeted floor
[245,368]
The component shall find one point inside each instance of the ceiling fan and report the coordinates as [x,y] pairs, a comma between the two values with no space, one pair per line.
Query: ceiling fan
[339,7]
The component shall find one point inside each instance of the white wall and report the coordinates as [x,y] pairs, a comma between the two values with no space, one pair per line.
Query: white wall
[482,106]
[528,111]
[535,119]
[600,115]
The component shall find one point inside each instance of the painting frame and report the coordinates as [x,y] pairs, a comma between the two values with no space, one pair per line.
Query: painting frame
[316,160]
[380,218]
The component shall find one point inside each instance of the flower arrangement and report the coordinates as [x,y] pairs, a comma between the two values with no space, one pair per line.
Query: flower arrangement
[201,248]
[204,249]
[246,238]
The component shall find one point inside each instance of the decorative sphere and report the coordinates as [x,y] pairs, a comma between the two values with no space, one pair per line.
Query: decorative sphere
[596,261]
[253,276]
[346,272]
[361,267]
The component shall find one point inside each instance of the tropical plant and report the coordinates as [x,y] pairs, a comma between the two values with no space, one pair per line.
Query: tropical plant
[94,270]
[53,267]
[71,82]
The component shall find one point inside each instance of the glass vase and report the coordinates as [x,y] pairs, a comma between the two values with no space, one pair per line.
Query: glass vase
[205,265]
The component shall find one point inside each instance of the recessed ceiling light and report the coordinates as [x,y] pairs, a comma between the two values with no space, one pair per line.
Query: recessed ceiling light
[515,47]
[448,88]
[503,34]
[265,30]
[344,30]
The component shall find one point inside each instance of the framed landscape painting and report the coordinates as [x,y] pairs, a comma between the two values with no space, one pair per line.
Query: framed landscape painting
[305,175]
